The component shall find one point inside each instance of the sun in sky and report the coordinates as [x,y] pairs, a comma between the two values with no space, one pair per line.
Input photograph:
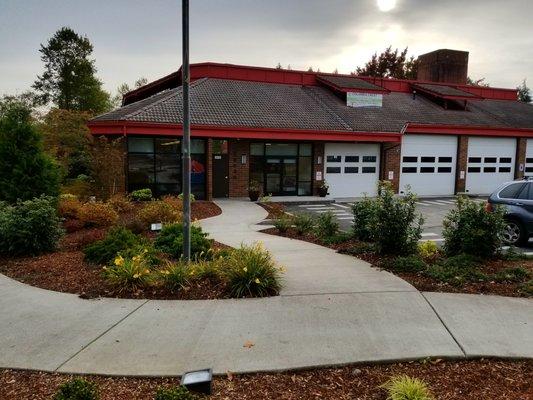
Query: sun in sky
[386,5]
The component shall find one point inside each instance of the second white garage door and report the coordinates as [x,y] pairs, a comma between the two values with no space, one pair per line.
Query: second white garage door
[491,162]
[351,169]
[428,164]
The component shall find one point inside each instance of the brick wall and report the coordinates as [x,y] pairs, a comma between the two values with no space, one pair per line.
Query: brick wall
[238,172]
[462,160]
[390,161]
[521,145]
[318,153]
[209,169]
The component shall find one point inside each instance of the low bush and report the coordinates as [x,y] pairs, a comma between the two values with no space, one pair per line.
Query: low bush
[398,227]
[175,275]
[470,229]
[251,272]
[175,393]
[410,263]
[429,251]
[326,225]
[175,202]
[283,223]
[191,197]
[170,241]
[69,207]
[29,227]
[130,273]
[81,188]
[73,225]
[141,195]
[97,214]
[365,219]
[117,240]
[527,288]
[77,389]
[158,211]
[403,387]
[210,269]
[120,203]
[134,224]
[457,270]
[303,223]
[513,275]
[339,237]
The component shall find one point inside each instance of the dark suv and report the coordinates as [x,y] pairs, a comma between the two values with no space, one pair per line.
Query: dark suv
[517,198]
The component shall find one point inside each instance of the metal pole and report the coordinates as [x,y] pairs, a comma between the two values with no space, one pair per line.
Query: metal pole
[186,145]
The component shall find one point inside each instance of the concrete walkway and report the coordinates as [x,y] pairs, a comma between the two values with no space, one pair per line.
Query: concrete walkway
[333,310]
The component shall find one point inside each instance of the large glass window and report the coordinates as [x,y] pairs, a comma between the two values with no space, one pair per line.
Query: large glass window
[155,163]
[282,168]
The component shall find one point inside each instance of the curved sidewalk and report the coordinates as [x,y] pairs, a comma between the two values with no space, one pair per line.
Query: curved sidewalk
[334,309]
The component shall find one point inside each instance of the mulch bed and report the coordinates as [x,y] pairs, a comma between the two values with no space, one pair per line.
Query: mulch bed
[423,282]
[275,210]
[66,271]
[464,380]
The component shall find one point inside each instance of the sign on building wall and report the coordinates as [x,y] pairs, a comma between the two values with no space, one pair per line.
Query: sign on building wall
[357,99]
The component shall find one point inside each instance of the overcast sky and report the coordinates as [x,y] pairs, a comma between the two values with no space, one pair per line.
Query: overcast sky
[134,38]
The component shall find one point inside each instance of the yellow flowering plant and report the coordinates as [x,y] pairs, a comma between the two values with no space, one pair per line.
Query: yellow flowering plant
[129,273]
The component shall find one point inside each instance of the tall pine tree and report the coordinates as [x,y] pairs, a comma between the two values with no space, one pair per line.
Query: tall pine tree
[69,79]
[524,94]
[390,64]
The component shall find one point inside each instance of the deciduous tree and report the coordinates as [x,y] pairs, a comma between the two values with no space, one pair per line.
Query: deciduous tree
[524,93]
[390,64]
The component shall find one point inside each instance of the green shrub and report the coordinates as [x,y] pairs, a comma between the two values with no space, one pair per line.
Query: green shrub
[141,195]
[209,269]
[365,219]
[457,270]
[283,223]
[130,273]
[97,214]
[403,387]
[158,211]
[29,227]
[175,275]
[470,229]
[303,223]
[398,227]
[326,225]
[410,263]
[118,239]
[514,274]
[428,250]
[527,288]
[175,393]
[339,237]
[251,272]
[191,197]
[26,171]
[77,389]
[170,241]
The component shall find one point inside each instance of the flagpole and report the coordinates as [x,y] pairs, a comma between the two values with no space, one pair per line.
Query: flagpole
[186,145]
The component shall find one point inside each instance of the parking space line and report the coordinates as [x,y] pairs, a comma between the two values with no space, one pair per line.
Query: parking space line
[445,201]
[345,218]
[433,203]
[421,203]
[429,234]
[341,206]
[432,240]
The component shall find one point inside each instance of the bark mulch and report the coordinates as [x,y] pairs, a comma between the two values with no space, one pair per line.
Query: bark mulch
[448,380]
[421,281]
[275,210]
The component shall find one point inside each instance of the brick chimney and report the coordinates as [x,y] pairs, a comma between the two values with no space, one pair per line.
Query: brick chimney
[448,66]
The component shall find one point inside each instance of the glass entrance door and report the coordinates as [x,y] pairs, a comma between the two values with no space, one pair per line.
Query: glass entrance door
[281,176]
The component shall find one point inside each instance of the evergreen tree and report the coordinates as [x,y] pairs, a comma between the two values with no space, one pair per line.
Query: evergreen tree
[524,94]
[69,79]
[25,170]
[390,64]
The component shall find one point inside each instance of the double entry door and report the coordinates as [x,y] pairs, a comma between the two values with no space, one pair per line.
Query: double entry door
[281,174]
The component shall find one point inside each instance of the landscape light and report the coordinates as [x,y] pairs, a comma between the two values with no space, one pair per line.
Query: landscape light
[198,381]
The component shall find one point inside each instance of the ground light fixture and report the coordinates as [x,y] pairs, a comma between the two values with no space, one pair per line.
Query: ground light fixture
[198,381]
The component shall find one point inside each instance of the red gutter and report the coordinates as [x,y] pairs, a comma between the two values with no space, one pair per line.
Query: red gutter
[345,90]
[154,129]
[468,130]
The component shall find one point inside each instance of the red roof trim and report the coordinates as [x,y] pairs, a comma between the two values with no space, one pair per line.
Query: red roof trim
[445,96]
[468,130]
[140,128]
[346,90]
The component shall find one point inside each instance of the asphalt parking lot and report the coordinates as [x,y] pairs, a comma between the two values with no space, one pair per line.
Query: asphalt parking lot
[432,209]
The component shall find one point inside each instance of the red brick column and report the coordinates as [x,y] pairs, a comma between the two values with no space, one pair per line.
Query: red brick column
[462,160]
[318,154]
[390,162]
[521,145]
[209,170]
[238,172]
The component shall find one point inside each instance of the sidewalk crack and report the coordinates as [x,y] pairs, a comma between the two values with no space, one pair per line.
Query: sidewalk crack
[444,324]
[99,336]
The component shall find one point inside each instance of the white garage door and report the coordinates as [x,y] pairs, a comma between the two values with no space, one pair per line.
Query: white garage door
[428,164]
[528,170]
[491,162]
[351,170]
